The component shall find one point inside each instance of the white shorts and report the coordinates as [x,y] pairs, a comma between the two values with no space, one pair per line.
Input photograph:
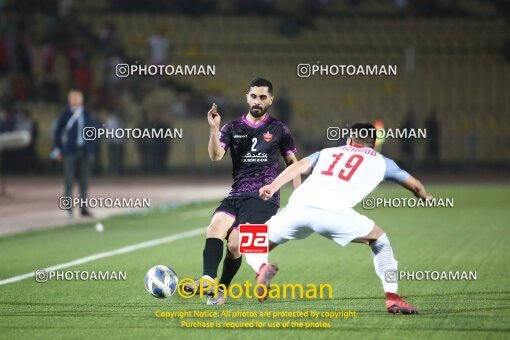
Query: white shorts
[296,222]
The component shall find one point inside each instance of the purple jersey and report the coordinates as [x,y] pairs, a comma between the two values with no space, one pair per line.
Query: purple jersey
[255,152]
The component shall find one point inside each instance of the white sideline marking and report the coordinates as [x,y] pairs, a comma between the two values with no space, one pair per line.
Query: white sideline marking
[123,250]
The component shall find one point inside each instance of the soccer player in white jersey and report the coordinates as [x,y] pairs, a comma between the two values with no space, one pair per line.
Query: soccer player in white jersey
[340,178]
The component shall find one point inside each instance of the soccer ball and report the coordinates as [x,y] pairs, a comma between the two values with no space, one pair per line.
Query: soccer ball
[161,281]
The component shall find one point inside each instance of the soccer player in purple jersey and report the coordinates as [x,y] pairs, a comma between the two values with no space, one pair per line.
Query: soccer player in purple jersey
[256,141]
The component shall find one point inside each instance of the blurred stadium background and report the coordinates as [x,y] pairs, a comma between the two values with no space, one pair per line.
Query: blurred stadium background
[453,62]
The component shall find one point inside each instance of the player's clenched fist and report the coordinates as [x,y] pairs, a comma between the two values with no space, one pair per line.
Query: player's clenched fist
[266,192]
[213,117]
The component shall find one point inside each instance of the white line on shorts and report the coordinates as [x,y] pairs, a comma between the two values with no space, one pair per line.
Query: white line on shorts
[123,250]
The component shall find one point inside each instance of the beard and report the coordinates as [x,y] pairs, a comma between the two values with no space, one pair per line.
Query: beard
[261,111]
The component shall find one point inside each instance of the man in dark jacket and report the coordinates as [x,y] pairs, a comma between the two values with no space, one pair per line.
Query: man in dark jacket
[73,150]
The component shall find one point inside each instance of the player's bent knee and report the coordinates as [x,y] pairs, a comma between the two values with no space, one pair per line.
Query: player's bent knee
[217,230]
[233,244]
[377,231]
[233,249]
[233,253]
[374,235]
[220,225]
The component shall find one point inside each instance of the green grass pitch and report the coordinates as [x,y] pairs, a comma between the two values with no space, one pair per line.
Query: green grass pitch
[472,236]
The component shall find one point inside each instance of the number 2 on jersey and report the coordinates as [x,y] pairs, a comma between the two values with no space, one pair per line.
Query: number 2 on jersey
[349,168]
[254,141]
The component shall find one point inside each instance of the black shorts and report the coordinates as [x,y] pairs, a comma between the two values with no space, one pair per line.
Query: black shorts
[247,209]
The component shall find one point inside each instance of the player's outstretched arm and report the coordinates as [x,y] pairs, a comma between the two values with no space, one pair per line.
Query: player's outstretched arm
[294,170]
[216,152]
[415,186]
[289,160]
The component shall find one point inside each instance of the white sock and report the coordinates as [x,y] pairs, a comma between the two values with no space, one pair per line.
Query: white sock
[385,263]
[257,260]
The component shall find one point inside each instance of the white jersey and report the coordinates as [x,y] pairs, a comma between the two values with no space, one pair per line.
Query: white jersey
[343,176]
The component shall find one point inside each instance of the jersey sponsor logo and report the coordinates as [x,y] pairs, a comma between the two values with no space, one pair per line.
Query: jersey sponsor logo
[240,136]
[250,157]
[267,136]
[253,238]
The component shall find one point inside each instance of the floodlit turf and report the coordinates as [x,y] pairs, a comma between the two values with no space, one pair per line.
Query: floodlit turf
[472,236]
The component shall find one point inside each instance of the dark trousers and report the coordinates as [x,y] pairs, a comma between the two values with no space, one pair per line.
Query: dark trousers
[76,165]
[116,159]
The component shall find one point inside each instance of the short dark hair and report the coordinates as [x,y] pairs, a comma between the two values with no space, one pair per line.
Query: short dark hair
[261,82]
[364,134]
